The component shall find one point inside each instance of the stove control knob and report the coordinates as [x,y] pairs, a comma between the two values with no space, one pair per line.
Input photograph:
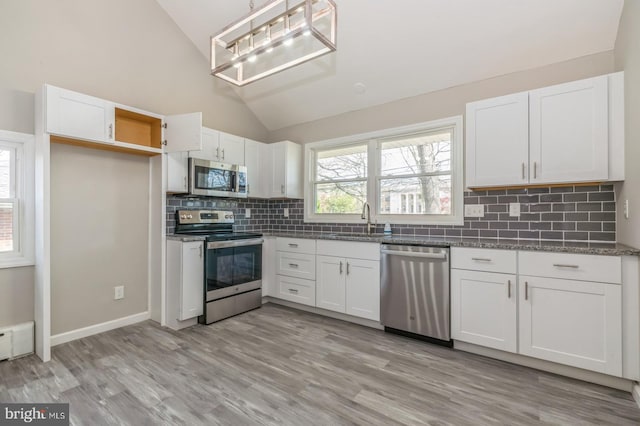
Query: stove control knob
[190,217]
[183,216]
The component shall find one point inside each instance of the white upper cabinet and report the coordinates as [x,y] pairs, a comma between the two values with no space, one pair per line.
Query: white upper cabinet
[254,158]
[177,172]
[231,149]
[183,132]
[285,170]
[220,146]
[79,116]
[569,125]
[499,129]
[572,132]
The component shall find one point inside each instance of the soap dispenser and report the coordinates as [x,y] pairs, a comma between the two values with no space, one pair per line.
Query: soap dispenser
[387,230]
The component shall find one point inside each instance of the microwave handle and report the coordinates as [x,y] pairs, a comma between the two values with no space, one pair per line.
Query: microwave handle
[234,182]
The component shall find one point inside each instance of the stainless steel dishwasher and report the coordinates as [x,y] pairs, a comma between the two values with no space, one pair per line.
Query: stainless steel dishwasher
[414,292]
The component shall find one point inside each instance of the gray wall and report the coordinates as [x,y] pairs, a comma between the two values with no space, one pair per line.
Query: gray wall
[127,51]
[99,236]
[16,295]
[627,58]
[444,103]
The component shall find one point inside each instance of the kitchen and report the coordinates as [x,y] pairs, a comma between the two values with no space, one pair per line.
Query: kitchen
[117,238]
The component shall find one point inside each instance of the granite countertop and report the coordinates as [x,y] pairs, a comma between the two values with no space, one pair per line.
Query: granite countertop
[185,238]
[608,249]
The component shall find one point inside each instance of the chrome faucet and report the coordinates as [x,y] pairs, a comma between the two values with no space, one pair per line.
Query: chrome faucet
[366,214]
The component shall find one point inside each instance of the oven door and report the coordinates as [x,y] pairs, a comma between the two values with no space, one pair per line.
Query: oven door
[233,267]
[211,178]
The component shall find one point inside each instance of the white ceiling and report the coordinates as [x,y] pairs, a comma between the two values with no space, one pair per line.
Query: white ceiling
[403,48]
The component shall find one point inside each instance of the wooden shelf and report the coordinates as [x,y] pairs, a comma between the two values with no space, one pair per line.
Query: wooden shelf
[116,147]
[138,129]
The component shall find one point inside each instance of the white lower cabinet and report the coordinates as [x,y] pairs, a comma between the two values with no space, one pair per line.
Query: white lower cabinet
[185,280]
[296,290]
[565,308]
[576,323]
[363,288]
[348,278]
[483,309]
[350,286]
[330,283]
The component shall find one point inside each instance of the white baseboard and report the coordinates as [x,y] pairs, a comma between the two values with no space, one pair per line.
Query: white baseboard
[551,367]
[68,336]
[636,393]
[323,312]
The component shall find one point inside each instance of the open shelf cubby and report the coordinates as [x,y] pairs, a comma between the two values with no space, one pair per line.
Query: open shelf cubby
[139,129]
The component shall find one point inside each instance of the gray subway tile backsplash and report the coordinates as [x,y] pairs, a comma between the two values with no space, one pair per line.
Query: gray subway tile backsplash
[571,213]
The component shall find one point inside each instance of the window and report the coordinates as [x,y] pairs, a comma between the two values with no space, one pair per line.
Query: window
[411,174]
[340,184]
[16,199]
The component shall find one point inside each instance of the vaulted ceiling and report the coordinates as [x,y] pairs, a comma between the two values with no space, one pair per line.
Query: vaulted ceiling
[393,49]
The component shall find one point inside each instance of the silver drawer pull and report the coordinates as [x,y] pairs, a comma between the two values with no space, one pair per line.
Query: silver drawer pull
[481,259]
[509,289]
[293,290]
[562,265]
[293,265]
[293,245]
[526,290]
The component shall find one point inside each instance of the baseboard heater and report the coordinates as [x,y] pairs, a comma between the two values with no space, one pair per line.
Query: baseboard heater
[16,341]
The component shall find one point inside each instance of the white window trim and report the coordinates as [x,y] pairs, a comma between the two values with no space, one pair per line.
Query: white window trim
[373,172]
[25,194]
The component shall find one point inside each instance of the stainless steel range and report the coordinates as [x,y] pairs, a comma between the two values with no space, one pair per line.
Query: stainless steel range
[233,263]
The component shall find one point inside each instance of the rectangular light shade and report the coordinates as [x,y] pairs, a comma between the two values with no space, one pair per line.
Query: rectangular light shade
[278,36]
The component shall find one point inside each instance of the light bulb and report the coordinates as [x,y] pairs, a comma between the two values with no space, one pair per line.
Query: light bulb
[288,42]
[306,33]
[269,49]
[252,58]
[236,65]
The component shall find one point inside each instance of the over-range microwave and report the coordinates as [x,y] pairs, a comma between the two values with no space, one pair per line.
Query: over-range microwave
[217,179]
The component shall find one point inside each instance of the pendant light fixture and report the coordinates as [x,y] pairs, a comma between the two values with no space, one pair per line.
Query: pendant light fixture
[277,36]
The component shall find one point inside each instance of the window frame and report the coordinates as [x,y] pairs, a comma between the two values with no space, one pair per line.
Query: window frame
[374,175]
[23,199]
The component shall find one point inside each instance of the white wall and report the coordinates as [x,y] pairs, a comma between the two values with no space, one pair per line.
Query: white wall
[627,59]
[126,51]
[444,103]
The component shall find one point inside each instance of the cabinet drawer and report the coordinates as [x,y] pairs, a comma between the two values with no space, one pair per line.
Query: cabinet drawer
[297,265]
[487,260]
[296,245]
[583,267]
[354,250]
[296,290]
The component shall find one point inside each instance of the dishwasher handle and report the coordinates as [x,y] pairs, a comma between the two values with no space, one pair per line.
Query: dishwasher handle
[440,255]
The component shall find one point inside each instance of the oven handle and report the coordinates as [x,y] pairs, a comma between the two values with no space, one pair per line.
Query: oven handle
[234,243]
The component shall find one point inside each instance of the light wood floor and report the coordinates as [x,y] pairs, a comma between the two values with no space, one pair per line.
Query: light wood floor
[280,366]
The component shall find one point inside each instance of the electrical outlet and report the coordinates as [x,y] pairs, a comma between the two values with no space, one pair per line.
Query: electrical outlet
[514,209]
[118,292]
[474,210]
[286,212]
[247,213]
[626,209]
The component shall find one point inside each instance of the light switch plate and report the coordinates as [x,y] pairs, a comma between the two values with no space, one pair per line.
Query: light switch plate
[247,213]
[285,212]
[474,210]
[514,209]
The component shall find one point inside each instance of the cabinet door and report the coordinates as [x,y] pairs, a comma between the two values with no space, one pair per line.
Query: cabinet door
[183,132]
[363,288]
[177,172]
[192,288]
[210,145]
[277,169]
[569,132]
[269,286]
[79,116]
[576,323]
[254,157]
[231,149]
[483,309]
[497,143]
[330,283]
